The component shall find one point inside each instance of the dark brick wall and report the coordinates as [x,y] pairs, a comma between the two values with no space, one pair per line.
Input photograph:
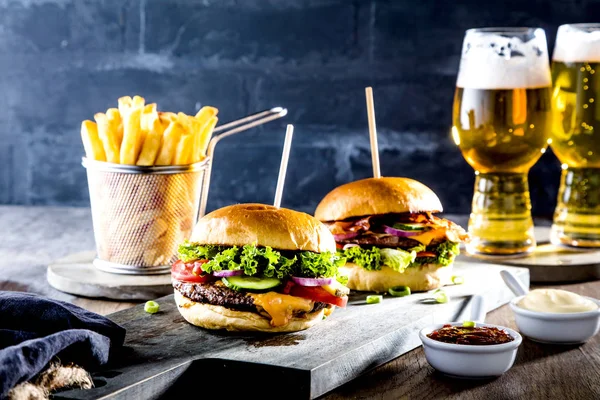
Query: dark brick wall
[63,60]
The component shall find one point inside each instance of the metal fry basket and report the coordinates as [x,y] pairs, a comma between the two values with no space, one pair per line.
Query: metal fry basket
[141,214]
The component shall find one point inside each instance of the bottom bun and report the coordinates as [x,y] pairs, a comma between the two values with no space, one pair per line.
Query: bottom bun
[418,279]
[216,317]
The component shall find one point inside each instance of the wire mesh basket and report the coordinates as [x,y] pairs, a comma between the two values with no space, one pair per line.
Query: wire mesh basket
[141,214]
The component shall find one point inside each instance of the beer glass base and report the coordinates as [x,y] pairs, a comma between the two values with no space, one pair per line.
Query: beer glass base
[500,224]
[499,250]
[576,221]
[559,237]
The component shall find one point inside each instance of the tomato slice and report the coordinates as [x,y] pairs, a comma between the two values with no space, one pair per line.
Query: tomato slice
[317,293]
[185,272]
[426,254]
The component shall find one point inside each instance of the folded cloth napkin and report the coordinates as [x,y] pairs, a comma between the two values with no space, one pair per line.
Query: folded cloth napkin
[35,329]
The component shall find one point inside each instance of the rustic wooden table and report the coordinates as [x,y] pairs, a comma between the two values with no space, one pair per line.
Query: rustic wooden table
[32,237]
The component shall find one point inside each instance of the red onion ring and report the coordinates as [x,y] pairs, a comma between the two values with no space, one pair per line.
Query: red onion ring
[400,232]
[312,281]
[228,272]
[348,245]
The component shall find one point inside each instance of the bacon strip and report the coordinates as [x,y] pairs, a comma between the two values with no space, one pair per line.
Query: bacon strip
[343,227]
[366,226]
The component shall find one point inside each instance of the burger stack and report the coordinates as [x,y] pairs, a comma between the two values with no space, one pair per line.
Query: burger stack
[255,267]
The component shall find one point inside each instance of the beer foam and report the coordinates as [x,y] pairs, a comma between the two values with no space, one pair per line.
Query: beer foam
[492,61]
[575,44]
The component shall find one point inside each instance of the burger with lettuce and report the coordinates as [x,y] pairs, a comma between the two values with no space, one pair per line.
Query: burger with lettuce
[388,233]
[255,267]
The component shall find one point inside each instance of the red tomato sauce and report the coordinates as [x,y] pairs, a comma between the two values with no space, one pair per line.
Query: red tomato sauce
[478,335]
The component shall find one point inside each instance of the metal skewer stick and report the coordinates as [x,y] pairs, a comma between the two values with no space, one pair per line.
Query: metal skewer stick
[237,126]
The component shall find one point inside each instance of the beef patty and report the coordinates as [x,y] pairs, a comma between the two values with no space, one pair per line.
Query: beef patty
[217,294]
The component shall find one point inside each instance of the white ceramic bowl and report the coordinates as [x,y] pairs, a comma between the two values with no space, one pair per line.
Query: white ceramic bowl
[470,361]
[557,328]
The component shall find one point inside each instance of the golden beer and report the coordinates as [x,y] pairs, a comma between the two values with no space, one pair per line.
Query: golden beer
[502,130]
[501,122]
[576,134]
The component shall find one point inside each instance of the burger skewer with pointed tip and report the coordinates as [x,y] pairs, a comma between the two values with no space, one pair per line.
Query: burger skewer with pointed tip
[255,267]
[385,229]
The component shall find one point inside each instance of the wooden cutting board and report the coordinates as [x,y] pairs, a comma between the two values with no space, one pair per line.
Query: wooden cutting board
[165,357]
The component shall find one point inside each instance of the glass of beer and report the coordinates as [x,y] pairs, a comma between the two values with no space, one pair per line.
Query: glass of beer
[575,134]
[501,123]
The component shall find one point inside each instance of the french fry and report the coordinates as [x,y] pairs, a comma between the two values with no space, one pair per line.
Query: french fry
[91,142]
[136,133]
[185,148]
[124,105]
[183,153]
[202,139]
[149,115]
[150,108]
[152,143]
[131,132]
[155,230]
[167,116]
[115,122]
[205,112]
[108,137]
[191,124]
[170,140]
[137,101]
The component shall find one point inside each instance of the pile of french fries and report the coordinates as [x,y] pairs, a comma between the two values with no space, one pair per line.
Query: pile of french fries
[136,133]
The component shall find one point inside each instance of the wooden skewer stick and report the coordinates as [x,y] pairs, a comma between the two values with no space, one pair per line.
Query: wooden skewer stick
[373,132]
[283,167]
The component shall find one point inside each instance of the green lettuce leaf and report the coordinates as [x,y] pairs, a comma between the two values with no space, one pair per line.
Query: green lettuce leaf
[342,279]
[416,249]
[446,252]
[397,259]
[369,259]
[372,259]
[190,252]
[264,261]
[313,265]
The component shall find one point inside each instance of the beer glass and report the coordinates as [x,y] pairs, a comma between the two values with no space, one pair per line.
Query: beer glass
[575,134]
[501,123]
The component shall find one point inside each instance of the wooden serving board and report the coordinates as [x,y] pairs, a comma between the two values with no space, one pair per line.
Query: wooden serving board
[165,357]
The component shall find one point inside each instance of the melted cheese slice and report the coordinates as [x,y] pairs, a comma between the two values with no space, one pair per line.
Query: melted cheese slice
[281,307]
[429,236]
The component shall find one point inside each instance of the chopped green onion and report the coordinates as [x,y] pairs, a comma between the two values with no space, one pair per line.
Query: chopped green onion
[374,299]
[458,279]
[151,307]
[399,291]
[469,324]
[440,296]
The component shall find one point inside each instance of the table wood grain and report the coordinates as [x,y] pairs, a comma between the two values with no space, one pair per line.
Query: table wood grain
[32,237]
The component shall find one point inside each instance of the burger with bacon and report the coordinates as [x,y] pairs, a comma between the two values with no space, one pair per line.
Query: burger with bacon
[255,267]
[388,233]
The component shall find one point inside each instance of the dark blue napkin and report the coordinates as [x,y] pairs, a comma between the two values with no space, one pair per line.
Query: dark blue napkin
[35,329]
